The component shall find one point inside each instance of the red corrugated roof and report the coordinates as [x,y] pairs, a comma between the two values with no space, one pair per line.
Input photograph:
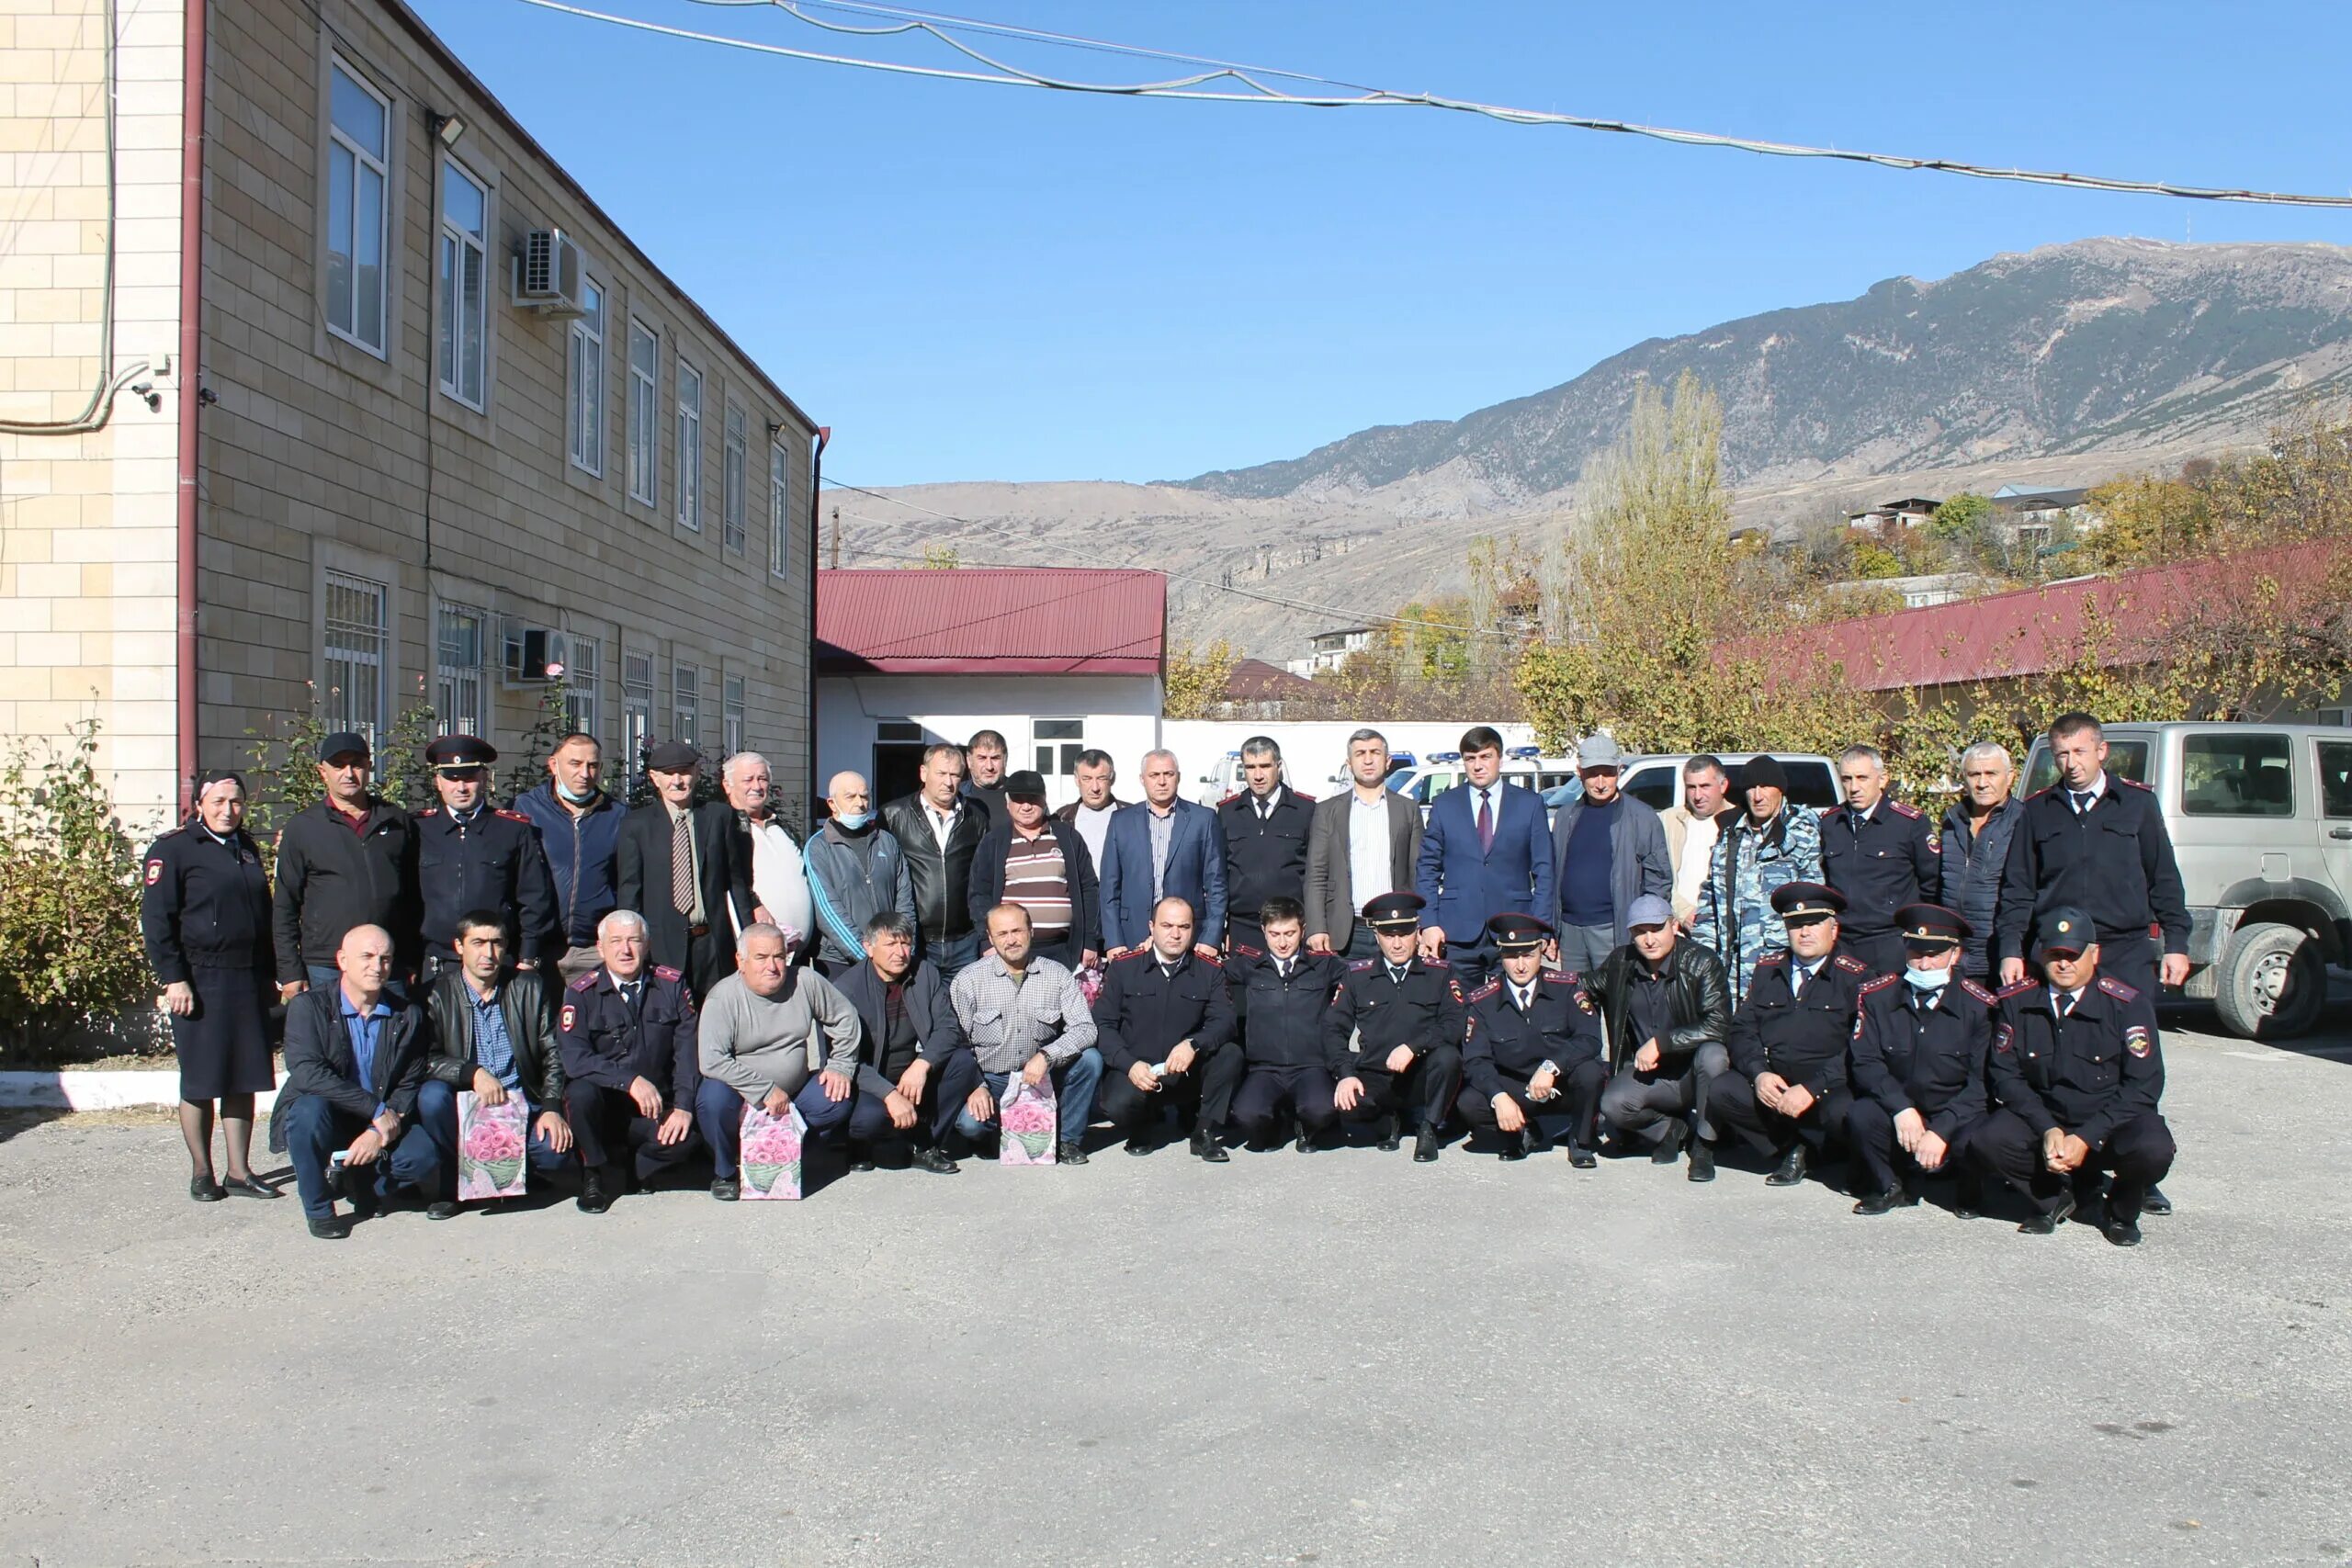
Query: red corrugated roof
[1255,681]
[2032,630]
[990,621]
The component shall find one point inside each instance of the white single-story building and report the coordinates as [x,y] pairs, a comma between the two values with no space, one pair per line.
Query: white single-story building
[1058,660]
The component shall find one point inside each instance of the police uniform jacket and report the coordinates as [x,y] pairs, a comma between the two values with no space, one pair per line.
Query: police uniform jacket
[2090,1072]
[1930,1060]
[1506,1047]
[529,1018]
[1801,1038]
[1264,859]
[1371,1014]
[489,861]
[333,874]
[604,1043]
[2114,863]
[1893,857]
[1281,1019]
[1142,1012]
[205,904]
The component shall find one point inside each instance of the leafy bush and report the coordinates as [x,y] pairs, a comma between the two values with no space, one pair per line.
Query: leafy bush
[70,949]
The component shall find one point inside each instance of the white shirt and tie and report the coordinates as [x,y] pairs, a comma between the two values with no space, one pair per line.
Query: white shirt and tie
[2085,799]
[1370,870]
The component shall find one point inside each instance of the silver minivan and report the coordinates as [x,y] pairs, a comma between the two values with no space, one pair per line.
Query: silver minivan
[2260,817]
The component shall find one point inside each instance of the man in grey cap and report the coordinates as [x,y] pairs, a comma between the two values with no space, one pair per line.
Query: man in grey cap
[1664,1016]
[1610,849]
[684,867]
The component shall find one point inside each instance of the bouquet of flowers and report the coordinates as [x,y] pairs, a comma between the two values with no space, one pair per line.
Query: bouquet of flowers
[1027,1118]
[1089,983]
[491,1141]
[771,1155]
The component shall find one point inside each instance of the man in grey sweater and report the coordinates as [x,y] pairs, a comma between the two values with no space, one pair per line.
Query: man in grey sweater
[759,1039]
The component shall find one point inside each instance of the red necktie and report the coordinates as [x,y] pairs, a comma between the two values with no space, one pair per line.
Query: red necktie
[1485,822]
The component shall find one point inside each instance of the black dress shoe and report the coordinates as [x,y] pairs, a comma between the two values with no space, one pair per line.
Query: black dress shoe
[934,1161]
[1791,1170]
[203,1189]
[2119,1233]
[246,1187]
[1069,1154]
[1702,1160]
[1514,1147]
[441,1209]
[2155,1203]
[1208,1147]
[1580,1157]
[335,1227]
[1669,1144]
[1880,1203]
[1969,1202]
[1392,1132]
[2045,1222]
[1138,1145]
[861,1162]
[1306,1144]
[593,1198]
[1424,1145]
[726,1189]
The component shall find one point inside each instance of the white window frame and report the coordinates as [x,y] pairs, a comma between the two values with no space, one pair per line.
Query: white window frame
[456,250]
[779,509]
[686,703]
[731,708]
[341,710]
[1052,751]
[637,704]
[584,384]
[460,690]
[644,415]
[341,145]
[582,677]
[734,476]
[689,446]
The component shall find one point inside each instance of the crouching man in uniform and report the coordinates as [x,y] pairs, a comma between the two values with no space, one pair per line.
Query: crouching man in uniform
[1532,1058]
[1918,1062]
[627,1036]
[1393,1033]
[1786,1092]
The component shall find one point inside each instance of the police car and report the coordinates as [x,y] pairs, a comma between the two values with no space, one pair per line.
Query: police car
[1525,766]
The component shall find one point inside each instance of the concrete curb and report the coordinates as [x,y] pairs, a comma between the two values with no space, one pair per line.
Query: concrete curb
[69,1091]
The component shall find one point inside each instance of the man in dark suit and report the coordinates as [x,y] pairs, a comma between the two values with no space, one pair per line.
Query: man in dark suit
[912,1050]
[1265,829]
[685,907]
[1165,848]
[1487,850]
[1369,830]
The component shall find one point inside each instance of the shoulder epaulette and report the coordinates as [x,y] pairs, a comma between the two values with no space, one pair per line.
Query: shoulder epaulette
[1911,811]
[1211,959]
[2045,789]
[1243,950]
[1979,992]
[1230,798]
[2135,784]
[1132,952]
[1824,813]
[1304,796]
[430,811]
[1560,976]
[664,972]
[1872,986]
[2117,990]
[2020,988]
[1850,964]
[586,982]
[1358,965]
[1488,989]
[1771,958]
[514,817]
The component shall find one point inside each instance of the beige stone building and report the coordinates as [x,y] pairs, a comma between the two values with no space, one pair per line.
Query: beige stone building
[430,445]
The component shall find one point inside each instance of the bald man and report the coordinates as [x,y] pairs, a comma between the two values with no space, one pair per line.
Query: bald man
[857,871]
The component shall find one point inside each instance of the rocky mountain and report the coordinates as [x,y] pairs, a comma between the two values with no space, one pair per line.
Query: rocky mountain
[2059,365]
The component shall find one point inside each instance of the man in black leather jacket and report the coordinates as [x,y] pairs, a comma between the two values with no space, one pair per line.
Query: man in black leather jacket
[938,828]
[479,998]
[1665,1012]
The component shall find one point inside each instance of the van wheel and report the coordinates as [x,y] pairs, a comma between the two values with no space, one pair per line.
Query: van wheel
[2272,983]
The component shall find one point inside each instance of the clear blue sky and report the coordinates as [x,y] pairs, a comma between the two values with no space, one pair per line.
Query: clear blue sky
[972,282]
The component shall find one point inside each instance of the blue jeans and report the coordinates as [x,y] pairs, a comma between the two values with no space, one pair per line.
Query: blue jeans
[315,1129]
[437,1118]
[1074,1083]
[950,958]
[719,1108]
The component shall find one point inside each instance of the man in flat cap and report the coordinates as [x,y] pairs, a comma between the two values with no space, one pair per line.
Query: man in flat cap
[470,856]
[685,867]
[1533,1059]
[2077,1072]
[1766,847]
[1393,1033]
[348,860]
[1918,1065]
[1786,1093]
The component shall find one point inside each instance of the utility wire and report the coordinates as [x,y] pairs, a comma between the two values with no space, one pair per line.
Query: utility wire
[1194,88]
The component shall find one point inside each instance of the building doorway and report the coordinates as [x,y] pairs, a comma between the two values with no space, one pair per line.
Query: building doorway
[898,746]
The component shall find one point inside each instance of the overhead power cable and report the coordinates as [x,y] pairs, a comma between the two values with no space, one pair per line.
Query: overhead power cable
[1250,85]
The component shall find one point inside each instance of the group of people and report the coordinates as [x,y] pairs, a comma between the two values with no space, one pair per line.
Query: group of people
[1972,998]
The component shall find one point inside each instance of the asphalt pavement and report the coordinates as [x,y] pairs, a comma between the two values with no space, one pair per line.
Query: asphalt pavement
[1340,1358]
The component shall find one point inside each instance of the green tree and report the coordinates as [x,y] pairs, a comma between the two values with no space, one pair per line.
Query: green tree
[1195,681]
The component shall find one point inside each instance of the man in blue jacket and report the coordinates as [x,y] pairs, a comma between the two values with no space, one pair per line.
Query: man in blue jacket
[580,829]
[1164,848]
[1486,852]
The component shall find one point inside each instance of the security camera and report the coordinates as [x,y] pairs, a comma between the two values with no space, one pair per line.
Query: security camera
[147,389]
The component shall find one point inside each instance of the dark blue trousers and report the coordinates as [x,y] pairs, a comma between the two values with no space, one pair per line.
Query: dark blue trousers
[316,1129]
[719,1109]
[437,1118]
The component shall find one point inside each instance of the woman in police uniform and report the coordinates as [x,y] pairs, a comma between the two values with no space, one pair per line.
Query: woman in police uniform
[205,913]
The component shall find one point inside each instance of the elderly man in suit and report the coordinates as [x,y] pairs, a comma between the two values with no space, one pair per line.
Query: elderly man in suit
[1165,848]
[687,907]
[1486,852]
[1359,845]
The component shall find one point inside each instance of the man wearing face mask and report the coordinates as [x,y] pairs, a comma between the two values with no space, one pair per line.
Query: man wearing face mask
[1786,1092]
[855,872]
[579,830]
[1918,1062]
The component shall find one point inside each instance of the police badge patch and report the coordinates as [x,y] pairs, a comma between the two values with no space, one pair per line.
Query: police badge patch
[154,872]
[2002,1038]
[2137,1040]
[571,1017]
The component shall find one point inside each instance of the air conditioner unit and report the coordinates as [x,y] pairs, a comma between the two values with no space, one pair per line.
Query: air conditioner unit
[534,655]
[547,273]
